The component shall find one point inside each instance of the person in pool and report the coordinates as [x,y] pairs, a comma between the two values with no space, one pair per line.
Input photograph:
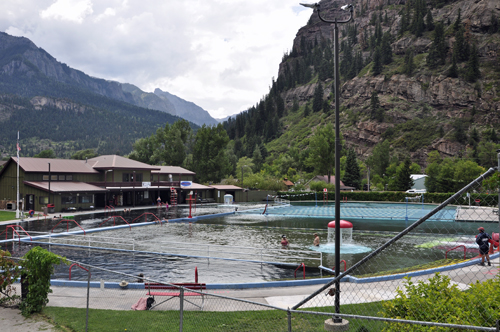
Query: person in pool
[316,240]
[284,241]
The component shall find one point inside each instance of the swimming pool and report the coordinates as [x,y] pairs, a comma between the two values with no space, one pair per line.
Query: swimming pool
[173,242]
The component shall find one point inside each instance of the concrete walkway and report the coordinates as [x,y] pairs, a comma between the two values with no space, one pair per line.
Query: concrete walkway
[11,320]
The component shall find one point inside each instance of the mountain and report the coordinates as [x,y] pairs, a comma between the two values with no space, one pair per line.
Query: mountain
[421,75]
[21,57]
[186,109]
[58,107]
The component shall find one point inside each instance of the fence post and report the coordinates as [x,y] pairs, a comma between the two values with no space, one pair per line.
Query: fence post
[289,314]
[88,297]
[181,309]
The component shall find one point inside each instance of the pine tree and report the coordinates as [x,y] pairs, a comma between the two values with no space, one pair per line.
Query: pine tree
[453,71]
[352,175]
[376,112]
[377,62]
[473,72]
[403,177]
[494,24]
[386,49]
[409,65]
[318,98]
[458,21]
[307,111]
[437,52]
[429,21]
[460,47]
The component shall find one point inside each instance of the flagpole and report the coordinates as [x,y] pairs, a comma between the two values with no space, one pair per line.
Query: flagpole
[17,205]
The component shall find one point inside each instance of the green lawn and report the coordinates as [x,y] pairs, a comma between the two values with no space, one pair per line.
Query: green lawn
[73,319]
[6,215]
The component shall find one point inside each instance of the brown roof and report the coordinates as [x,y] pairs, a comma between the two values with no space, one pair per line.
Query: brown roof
[116,162]
[324,178]
[56,165]
[60,186]
[172,170]
[288,182]
[225,187]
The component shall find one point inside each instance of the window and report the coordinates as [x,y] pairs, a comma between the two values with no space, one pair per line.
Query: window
[125,177]
[86,199]
[43,199]
[129,177]
[62,177]
[138,177]
[69,177]
[53,178]
[68,199]
[45,178]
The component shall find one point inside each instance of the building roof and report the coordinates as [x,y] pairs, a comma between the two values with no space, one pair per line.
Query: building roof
[64,186]
[225,187]
[324,178]
[288,182]
[417,176]
[172,170]
[118,162]
[56,165]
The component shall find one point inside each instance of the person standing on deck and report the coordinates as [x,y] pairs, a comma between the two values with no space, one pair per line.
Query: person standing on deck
[482,239]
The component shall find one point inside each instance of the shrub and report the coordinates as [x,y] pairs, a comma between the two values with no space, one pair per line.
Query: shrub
[38,265]
[9,272]
[437,300]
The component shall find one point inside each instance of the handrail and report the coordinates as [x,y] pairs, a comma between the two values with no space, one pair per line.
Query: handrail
[461,245]
[14,230]
[145,214]
[303,270]
[114,221]
[78,266]
[67,225]
[106,207]
[345,265]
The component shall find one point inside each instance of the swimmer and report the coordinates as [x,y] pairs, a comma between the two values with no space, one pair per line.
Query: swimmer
[316,239]
[284,242]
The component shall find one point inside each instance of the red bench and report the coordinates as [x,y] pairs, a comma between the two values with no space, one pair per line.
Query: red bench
[154,289]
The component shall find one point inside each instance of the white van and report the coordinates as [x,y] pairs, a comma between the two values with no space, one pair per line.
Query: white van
[416,191]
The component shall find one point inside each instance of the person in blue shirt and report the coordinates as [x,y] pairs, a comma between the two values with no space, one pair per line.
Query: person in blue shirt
[482,239]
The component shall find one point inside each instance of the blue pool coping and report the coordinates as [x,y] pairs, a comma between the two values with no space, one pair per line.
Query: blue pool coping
[285,283]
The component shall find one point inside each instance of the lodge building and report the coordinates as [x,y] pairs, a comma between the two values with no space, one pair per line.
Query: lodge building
[110,180]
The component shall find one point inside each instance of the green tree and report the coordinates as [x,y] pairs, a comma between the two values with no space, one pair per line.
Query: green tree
[409,65]
[403,180]
[429,20]
[453,71]
[460,46]
[386,49]
[376,112]
[318,98]
[210,162]
[379,160]
[473,72]
[84,154]
[322,146]
[49,153]
[487,154]
[438,48]
[352,175]
[377,62]
[257,159]
[493,24]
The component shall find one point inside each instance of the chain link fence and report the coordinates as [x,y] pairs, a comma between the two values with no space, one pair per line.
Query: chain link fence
[435,283]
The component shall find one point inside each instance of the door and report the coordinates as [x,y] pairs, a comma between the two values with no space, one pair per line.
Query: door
[30,202]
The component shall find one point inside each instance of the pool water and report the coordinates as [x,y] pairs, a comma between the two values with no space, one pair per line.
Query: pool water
[230,236]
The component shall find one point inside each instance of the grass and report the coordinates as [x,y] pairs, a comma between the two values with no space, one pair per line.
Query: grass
[6,215]
[73,319]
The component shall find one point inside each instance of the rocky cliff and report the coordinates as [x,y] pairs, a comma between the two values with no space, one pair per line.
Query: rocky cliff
[428,96]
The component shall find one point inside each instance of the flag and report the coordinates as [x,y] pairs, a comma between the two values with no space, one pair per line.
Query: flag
[18,147]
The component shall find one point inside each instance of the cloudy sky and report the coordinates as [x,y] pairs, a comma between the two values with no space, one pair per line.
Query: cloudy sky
[219,54]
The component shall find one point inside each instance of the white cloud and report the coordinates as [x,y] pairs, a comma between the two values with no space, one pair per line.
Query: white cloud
[68,10]
[219,54]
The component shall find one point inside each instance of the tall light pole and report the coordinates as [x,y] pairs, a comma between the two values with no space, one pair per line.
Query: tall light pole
[316,6]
